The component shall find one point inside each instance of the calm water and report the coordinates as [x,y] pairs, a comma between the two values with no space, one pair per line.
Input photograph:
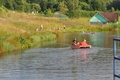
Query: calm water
[55,60]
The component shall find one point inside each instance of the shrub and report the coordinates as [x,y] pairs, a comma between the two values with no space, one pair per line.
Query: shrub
[8,47]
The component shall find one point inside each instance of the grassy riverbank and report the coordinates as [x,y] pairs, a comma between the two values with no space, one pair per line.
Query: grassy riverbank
[18,30]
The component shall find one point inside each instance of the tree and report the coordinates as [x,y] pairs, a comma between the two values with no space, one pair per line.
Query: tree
[73,7]
[51,4]
[62,7]
[104,8]
[115,5]
[8,4]
[35,7]
[96,5]
[18,5]
[1,3]
[43,5]
[48,13]
[112,9]
[84,6]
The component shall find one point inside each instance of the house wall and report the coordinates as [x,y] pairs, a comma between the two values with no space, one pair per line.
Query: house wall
[100,23]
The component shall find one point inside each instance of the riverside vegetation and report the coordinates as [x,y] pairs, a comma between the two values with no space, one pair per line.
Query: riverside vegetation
[22,30]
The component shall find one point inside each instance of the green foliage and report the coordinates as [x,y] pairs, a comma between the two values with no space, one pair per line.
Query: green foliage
[8,47]
[115,4]
[76,14]
[35,7]
[27,7]
[43,5]
[84,13]
[104,6]
[84,6]
[43,37]
[48,13]
[22,40]
[60,15]
[73,8]
[62,7]
[115,25]
[96,5]
[9,4]
[1,3]
[112,9]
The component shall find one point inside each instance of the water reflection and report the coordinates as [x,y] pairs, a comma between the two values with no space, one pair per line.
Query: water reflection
[84,55]
[80,57]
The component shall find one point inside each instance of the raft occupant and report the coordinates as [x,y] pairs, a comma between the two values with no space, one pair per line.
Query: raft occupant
[75,42]
[83,43]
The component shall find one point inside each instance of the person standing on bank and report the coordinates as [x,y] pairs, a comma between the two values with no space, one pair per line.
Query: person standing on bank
[41,27]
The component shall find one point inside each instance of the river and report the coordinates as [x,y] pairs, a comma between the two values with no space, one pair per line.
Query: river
[55,60]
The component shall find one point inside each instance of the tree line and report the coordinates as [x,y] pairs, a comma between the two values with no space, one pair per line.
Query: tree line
[71,8]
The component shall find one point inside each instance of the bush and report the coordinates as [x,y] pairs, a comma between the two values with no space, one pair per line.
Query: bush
[81,13]
[43,37]
[8,47]
[84,13]
[35,7]
[48,13]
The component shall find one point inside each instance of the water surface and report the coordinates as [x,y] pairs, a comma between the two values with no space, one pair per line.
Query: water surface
[56,60]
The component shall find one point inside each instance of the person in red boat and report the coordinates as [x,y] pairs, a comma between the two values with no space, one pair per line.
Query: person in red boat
[75,42]
[84,44]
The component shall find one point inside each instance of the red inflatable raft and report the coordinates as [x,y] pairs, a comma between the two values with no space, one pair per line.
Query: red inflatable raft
[80,45]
